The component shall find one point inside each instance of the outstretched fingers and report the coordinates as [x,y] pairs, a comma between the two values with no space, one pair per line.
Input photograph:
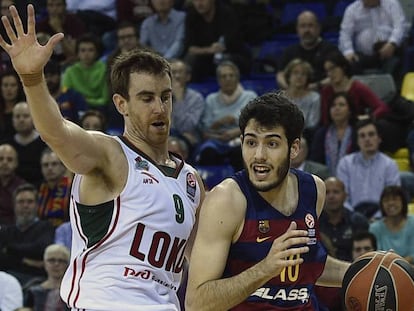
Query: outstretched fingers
[9,29]
[31,21]
[18,25]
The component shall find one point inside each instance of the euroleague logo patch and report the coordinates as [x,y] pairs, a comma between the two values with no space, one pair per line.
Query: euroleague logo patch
[191,185]
[310,223]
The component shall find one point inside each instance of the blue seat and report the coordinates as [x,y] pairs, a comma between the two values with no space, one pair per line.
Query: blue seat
[340,7]
[214,174]
[261,85]
[291,10]
[205,88]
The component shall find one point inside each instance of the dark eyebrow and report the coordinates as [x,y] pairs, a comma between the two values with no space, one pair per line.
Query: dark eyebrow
[267,136]
[150,93]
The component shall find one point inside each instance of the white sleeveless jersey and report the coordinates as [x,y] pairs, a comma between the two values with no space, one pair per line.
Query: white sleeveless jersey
[127,254]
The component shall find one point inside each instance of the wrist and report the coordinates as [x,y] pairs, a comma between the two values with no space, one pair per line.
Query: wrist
[31,79]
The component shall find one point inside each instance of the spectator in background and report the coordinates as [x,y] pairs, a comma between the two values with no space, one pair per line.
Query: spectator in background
[23,243]
[178,146]
[339,223]
[134,11]
[396,228]
[11,92]
[364,100]
[71,103]
[311,48]
[45,296]
[298,74]
[127,40]
[363,242]
[212,34]
[88,75]
[188,104]
[93,120]
[54,192]
[164,30]
[366,172]
[11,294]
[220,130]
[9,181]
[333,141]
[28,144]
[63,235]
[300,162]
[57,19]
[372,33]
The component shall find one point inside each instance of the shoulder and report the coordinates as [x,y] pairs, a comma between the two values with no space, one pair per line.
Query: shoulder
[226,198]
[249,94]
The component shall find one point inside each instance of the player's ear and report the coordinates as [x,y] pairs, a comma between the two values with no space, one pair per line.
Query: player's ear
[294,149]
[121,104]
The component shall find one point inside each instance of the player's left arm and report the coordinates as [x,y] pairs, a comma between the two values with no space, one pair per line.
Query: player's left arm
[335,269]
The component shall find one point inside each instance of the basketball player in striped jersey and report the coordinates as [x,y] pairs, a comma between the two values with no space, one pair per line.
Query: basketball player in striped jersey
[133,204]
[258,232]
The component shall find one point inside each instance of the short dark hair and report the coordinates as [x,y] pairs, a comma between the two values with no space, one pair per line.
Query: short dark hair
[136,60]
[349,100]
[338,59]
[90,38]
[95,113]
[364,235]
[23,188]
[364,122]
[274,109]
[395,190]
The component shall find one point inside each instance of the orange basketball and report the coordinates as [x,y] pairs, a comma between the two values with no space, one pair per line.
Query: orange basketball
[379,281]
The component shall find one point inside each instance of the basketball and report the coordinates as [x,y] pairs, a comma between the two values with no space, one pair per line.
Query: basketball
[379,281]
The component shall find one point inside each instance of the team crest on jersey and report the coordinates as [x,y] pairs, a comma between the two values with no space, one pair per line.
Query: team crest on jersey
[141,164]
[191,185]
[264,226]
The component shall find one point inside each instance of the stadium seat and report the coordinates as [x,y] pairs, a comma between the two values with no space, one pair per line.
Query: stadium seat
[291,11]
[407,88]
[261,85]
[214,174]
[383,85]
[205,88]
[402,158]
[340,7]
[411,208]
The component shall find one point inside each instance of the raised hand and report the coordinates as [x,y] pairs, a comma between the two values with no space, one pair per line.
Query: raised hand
[26,54]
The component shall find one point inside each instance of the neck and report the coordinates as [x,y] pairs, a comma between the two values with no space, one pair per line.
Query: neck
[310,45]
[209,16]
[342,85]
[158,153]
[295,92]
[52,282]
[284,197]
[163,15]
[26,138]
[335,216]
[5,179]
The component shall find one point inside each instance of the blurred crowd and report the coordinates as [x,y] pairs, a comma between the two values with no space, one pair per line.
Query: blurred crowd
[323,55]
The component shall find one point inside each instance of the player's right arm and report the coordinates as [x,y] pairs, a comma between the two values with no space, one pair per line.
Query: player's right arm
[220,223]
[81,151]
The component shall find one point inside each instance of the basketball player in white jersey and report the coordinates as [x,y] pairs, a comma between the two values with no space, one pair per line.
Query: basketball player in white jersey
[133,204]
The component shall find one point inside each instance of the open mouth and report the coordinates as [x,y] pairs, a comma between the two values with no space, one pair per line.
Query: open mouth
[260,170]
